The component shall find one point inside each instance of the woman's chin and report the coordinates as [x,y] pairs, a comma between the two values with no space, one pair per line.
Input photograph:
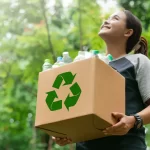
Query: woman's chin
[103,33]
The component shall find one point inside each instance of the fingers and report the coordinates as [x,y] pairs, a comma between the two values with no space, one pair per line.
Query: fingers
[117,115]
[62,141]
[117,129]
[117,126]
[121,127]
[116,133]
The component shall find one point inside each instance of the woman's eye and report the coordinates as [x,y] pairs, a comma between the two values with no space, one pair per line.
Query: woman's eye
[116,18]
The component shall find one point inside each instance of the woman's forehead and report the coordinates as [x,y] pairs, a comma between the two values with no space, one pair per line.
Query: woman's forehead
[119,14]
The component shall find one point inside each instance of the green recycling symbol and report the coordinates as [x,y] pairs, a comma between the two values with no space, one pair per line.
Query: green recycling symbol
[70,101]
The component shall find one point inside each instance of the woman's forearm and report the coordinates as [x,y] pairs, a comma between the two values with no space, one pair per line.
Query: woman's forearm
[145,115]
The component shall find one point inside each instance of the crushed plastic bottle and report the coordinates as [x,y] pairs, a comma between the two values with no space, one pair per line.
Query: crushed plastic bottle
[80,56]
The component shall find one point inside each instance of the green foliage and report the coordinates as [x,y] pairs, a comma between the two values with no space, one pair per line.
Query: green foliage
[148,134]
[31,31]
[140,8]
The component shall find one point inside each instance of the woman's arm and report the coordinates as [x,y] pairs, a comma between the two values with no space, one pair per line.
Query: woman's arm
[125,123]
[143,79]
[145,115]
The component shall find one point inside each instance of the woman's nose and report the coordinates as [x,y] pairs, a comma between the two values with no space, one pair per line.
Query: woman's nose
[107,21]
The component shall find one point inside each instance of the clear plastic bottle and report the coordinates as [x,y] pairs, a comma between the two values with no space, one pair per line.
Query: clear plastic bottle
[47,65]
[87,54]
[101,56]
[58,63]
[91,53]
[66,58]
[80,56]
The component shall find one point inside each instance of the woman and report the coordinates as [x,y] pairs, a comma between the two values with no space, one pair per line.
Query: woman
[122,34]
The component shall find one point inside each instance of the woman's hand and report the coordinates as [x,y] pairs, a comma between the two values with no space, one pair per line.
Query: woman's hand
[124,124]
[61,141]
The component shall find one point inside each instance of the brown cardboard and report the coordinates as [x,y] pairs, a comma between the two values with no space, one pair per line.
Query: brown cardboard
[103,92]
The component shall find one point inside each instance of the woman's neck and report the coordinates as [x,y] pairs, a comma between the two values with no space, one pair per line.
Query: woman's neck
[116,49]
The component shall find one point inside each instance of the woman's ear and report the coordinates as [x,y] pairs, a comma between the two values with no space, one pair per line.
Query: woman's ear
[128,32]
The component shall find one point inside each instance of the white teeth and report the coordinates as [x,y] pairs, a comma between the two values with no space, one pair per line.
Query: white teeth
[106,27]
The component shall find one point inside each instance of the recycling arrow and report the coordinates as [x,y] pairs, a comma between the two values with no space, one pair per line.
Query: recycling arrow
[71,101]
[68,77]
[50,101]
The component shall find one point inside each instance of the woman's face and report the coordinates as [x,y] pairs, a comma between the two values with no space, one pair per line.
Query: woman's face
[114,26]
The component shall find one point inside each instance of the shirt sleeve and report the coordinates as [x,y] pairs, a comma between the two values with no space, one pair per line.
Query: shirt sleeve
[143,78]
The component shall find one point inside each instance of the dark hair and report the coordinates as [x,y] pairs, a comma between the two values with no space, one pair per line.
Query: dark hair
[135,41]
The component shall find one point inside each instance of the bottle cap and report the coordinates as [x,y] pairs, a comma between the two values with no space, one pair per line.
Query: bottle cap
[59,58]
[110,57]
[95,52]
[65,53]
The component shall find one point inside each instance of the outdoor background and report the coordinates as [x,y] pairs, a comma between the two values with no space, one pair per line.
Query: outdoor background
[30,32]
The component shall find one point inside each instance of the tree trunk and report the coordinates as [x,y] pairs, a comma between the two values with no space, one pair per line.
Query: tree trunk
[80,24]
[48,30]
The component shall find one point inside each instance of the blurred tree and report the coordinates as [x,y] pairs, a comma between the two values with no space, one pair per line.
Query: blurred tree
[32,31]
[140,8]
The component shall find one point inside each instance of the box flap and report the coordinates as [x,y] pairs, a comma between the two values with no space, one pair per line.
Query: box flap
[53,133]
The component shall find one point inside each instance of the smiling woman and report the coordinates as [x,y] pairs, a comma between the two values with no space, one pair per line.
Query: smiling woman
[113,26]
[122,34]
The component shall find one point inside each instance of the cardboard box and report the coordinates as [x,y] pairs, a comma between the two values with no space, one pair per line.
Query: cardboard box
[76,100]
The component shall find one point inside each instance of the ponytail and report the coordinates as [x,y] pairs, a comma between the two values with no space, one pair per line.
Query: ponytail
[135,41]
[141,47]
